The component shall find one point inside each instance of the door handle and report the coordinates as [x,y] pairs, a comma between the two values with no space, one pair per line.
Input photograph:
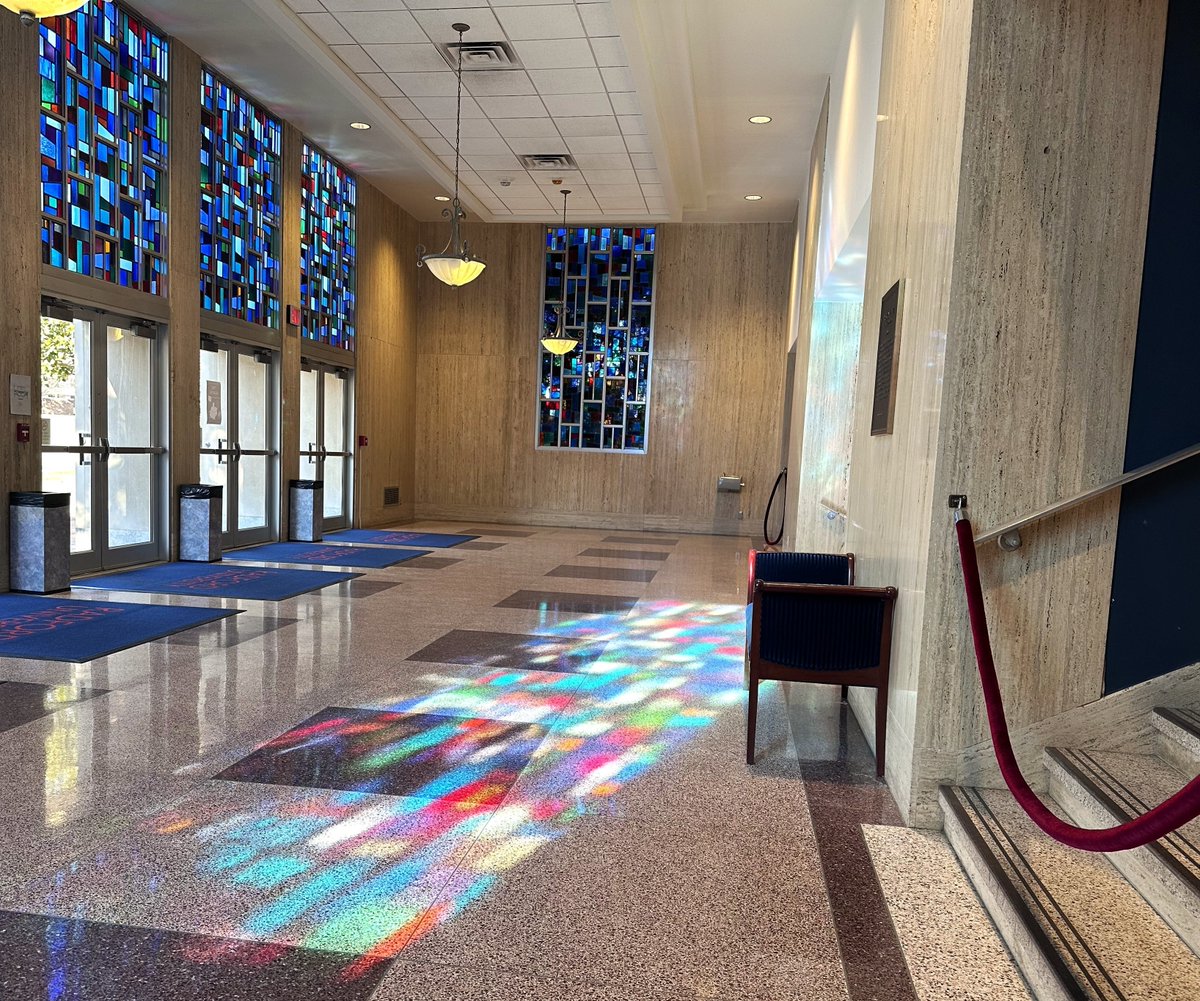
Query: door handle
[82,455]
[313,453]
[237,451]
[220,451]
[105,449]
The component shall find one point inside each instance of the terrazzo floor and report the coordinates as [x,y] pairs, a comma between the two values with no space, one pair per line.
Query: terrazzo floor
[446,779]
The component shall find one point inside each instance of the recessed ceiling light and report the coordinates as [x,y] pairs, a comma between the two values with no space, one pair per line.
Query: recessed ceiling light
[441,198]
[361,126]
[754,198]
[761,120]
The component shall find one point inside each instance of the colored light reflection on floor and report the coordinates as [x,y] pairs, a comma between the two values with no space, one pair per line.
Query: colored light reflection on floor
[369,874]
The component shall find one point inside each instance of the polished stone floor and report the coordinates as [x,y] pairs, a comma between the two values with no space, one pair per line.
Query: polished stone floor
[514,773]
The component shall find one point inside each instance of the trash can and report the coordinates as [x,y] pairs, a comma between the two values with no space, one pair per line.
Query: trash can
[39,542]
[306,510]
[200,511]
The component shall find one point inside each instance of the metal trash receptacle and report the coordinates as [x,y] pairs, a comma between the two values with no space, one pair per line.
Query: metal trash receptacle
[201,506]
[306,510]
[39,542]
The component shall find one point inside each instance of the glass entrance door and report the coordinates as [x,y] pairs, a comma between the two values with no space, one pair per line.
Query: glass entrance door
[101,438]
[237,438]
[325,453]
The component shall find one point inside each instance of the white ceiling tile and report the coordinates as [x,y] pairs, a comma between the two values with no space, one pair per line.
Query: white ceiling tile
[472,128]
[625,177]
[356,58]
[381,83]
[435,4]
[523,3]
[485,147]
[648,176]
[499,83]
[653,190]
[644,161]
[618,79]
[625,104]
[604,161]
[337,6]
[527,128]
[598,18]
[541,21]
[545,179]
[411,57]
[382,26]
[637,144]
[506,161]
[577,105]
[484,26]
[528,204]
[603,191]
[609,52]
[305,6]
[326,28]
[622,205]
[632,125]
[517,180]
[439,146]
[561,53]
[402,107]
[443,84]
[443,107]
[596,144]
[543,146]
[567,81]
[420,127]
[512,107]
[657,205]
[592,125]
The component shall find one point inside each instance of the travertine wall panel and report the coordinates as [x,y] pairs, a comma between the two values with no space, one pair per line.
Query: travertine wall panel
[717,378]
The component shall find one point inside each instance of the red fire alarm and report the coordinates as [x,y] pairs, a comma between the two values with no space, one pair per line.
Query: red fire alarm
[362,441]
[23,432]
[293,316]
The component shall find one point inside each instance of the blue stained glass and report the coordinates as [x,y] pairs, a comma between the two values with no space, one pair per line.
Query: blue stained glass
[595,397]
[103,195]
[328,250]
[240,155]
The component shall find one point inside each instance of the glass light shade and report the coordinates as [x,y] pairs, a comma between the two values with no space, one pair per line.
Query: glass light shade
[559,344]
[453,270]
[43,8]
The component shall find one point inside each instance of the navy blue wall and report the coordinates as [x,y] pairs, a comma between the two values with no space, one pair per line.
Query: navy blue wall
[1154,622]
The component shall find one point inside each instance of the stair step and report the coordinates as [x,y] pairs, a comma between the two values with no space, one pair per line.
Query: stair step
[1100,790]
[1076,927]
[1179,738]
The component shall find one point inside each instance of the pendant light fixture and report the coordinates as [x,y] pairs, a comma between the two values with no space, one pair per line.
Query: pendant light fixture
[560,342]
[32,11]
[455,265]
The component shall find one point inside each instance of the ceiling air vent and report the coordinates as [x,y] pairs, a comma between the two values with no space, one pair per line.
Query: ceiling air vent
[478,56]
[549,161]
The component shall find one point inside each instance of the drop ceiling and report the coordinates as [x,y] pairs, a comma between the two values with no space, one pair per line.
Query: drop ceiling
[649,98]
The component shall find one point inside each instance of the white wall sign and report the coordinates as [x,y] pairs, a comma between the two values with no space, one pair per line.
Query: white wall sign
[20,394]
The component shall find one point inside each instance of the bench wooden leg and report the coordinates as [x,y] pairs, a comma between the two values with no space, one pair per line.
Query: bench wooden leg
[881,710]
[751,718]
[845,692]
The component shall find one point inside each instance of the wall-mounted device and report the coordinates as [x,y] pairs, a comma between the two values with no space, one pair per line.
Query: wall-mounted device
[730,484]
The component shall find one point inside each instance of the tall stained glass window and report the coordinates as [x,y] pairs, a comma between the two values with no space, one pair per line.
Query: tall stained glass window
[328,250]
[104,146]
[597,395]
[240,150]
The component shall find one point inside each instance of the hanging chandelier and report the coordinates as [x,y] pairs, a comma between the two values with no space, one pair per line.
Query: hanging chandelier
[32,11]
[560,342]
[455,265]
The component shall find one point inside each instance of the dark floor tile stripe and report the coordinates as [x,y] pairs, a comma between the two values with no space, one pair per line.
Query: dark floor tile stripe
[522,651]
[645,540]
[572,604]
[602,573]
[627,554]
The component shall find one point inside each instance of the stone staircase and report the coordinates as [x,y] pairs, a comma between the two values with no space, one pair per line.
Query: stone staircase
[1085,927]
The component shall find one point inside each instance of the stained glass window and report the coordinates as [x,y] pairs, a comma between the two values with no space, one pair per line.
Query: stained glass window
[104,146]
[597,395]
[240,149]
[328,256]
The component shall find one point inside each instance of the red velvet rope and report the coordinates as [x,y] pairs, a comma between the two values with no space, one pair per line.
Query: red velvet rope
[1168,816]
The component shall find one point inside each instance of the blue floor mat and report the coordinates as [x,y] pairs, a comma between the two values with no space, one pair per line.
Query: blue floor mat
[74,630]
[322,555]
[215,580]
[434,540]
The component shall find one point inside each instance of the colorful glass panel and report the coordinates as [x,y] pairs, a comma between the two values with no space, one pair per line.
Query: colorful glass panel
[328,250]
[596,396]
[240,151]
[104,146]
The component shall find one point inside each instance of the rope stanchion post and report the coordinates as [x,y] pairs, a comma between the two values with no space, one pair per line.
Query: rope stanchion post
[1168,816]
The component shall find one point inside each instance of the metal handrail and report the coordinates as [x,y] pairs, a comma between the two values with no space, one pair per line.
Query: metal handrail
[1009,534]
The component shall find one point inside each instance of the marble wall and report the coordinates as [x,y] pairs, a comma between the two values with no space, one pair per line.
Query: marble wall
[914,206]
[717,379]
